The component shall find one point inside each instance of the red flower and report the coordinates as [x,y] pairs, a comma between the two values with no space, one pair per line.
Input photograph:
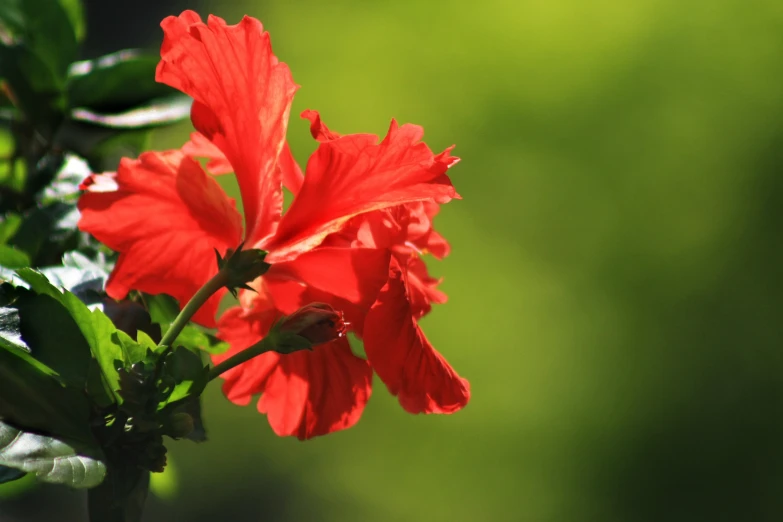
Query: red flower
[333,245]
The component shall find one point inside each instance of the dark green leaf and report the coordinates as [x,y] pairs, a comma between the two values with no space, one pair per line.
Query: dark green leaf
[132,351]
[45,28]
[188,371]
[52,460]
[75,12]
[54,337]
[121,497]
[33,88]
[157,112]
[10,474]
[33,398]
[94,325]
[10,257]
[116,83]
[43,43]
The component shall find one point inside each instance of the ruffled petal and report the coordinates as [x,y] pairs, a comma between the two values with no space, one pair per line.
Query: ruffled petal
[165,219]
[241,329]
[353,174]
[404,359]
[200,147]
[347,279]
[304,394]
[242,97]
[319,392]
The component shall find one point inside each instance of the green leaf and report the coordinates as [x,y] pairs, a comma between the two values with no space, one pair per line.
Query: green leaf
[75,12]
[121,497]
[10,474]
[41,37]
[10,257]
[45,28]
[96,327]
[33,398]
[195,339]
[163,111]
[116,82]
[132,351]
[54,337]
[52,460]
[188,371]
[33,88]
[9,224]
[163,308]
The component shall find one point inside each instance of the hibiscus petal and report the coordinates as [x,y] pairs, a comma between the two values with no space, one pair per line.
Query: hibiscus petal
[347,279]
[304,394]
[241,329]
[165,219]
[200,147]
[353,174]
[404,359]
[242,97]
[318,392]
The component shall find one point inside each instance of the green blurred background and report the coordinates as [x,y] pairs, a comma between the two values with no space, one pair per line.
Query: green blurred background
[615,282]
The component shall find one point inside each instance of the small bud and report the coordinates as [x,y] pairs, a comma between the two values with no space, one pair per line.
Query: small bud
[179,425]
[318,323]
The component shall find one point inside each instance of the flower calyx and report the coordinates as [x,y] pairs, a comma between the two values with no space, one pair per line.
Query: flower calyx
[241,267]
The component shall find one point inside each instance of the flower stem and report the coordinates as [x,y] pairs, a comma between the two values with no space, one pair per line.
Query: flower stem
[265,345]
[197,301]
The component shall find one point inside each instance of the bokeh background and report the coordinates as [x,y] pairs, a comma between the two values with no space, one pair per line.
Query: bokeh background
[615,283]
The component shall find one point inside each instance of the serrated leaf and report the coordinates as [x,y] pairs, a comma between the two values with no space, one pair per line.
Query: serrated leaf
[95,326]
[195,339]
[54,337]
[151,114]
[52,460]
[116,82]
[132,351]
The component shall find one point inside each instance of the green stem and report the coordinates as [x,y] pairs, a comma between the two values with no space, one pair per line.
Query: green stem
[196,302]
[265,345]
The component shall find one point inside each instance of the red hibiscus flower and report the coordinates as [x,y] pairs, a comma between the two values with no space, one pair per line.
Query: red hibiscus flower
[165,215]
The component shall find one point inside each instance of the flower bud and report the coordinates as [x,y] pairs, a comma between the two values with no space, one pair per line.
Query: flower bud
[319,323]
